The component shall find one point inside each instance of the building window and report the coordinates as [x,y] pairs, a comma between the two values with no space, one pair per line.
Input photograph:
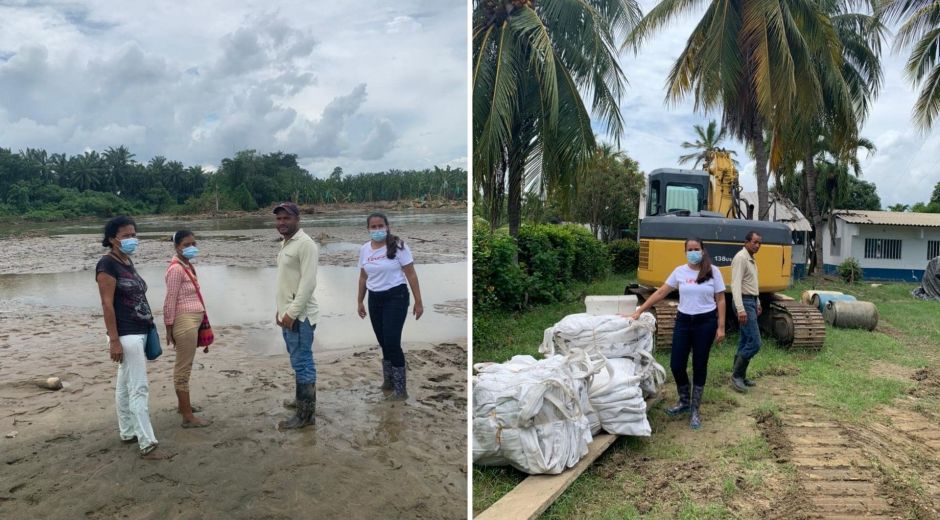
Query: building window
[885,248]
[933,249]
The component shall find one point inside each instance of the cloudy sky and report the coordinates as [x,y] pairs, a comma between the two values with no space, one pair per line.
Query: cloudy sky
[368,87]
[904,168]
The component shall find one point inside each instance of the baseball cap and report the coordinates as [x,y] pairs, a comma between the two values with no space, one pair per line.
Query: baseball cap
[289,207]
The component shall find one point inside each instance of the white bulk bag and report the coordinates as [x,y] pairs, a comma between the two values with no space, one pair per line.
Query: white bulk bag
[612,335]
[616,395]
[532,414]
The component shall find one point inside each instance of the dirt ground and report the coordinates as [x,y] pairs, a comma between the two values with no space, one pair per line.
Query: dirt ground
[819,469]
[365,458]
[48,252]
[61,457]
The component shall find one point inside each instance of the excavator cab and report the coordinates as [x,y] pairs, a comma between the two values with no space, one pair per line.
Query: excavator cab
[705,204]
[679,192]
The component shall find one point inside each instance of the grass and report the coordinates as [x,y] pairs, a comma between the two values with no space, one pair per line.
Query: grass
[844,379]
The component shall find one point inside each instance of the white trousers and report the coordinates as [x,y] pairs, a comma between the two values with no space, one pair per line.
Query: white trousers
[132,393]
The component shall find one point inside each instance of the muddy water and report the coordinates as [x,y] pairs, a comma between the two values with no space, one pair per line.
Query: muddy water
[244,296]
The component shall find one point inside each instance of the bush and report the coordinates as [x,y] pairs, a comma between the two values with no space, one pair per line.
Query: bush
[590,259]
[550,259]
[624,255]
[498,281]
[850,271]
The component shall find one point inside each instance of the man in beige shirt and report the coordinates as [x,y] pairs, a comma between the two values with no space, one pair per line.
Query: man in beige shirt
[745,292]
[297,311]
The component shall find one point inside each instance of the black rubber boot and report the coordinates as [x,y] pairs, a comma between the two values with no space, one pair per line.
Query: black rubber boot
[399,391]
[682,405]
[744,365]
[306,408]
[737,374]
[696,420]
[386,376]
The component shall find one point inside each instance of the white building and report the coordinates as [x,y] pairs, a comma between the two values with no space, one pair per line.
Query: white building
[783,210]
[887,245]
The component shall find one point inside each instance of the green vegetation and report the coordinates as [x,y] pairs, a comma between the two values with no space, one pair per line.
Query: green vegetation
[850,271]
[529,61]
[537,267]
[845,381]
[35,185]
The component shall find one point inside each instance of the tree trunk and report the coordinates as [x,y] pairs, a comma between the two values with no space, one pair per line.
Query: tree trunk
[514,200]
[810,175]
[760,169]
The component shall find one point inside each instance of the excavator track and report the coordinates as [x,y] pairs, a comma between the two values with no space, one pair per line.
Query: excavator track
[796,325]
[665,312]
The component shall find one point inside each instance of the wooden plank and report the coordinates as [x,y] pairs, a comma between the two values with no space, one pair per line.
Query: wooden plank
[534,494]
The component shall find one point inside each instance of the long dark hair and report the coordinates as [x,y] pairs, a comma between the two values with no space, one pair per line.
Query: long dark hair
[705,266]
[112,227]
[392,242]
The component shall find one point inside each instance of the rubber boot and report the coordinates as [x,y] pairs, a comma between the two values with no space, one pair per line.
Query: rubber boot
[744,365]
[306,408]
[386,377]
[682,406]
[399,391]
[696,420]
[737,374]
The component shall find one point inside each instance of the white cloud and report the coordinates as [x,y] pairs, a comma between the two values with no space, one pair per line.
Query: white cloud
[903,168]
[198,81]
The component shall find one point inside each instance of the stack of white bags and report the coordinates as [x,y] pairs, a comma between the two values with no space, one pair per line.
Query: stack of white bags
[539,415]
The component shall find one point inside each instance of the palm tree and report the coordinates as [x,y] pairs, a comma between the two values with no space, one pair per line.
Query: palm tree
[833,131]
[762,63]
[900,208]
[118,161]
[88,171]
[708,140]
[531,61]
[921,30]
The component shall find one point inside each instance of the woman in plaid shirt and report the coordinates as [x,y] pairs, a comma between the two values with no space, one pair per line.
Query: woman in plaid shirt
[182,313]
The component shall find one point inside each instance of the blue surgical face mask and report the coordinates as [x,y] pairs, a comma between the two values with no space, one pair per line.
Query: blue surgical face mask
[378,235]
[190,252]
[694,257]
[129,245]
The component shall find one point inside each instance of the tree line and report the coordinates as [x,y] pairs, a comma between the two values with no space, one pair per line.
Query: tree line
[794,80]
[38,185]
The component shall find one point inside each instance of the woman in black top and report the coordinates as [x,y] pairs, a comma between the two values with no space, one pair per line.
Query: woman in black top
[128,320]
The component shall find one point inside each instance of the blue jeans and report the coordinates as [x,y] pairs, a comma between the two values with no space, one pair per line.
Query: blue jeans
[300,348]
[694,333]
[387,312]
[750,332]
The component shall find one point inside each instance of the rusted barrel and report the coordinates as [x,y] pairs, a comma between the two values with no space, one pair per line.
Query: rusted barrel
[807,297]
[851,314]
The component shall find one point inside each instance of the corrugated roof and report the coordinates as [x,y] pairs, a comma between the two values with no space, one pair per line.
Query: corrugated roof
[889,218]
[781,210]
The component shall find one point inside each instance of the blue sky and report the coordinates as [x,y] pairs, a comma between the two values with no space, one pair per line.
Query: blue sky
[382,85]
[904,167]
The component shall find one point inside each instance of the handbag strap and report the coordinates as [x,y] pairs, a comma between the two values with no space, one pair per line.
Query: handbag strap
[192,279]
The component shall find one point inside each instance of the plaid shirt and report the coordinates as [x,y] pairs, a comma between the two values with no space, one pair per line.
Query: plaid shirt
[181,294]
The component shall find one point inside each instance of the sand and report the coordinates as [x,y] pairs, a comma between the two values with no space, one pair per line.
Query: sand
[49,252]
[365,458]
[61,457]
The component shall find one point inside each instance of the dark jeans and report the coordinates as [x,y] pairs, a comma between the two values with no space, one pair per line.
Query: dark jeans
[694,333]
[750,332]
[387,311]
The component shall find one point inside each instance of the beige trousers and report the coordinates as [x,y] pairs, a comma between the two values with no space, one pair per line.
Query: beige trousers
[185,334]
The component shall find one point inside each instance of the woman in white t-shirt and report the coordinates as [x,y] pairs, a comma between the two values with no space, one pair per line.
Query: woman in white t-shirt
[699,322]
[385,263]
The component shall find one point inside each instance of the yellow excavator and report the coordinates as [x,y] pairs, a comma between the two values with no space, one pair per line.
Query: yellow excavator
[681,204]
